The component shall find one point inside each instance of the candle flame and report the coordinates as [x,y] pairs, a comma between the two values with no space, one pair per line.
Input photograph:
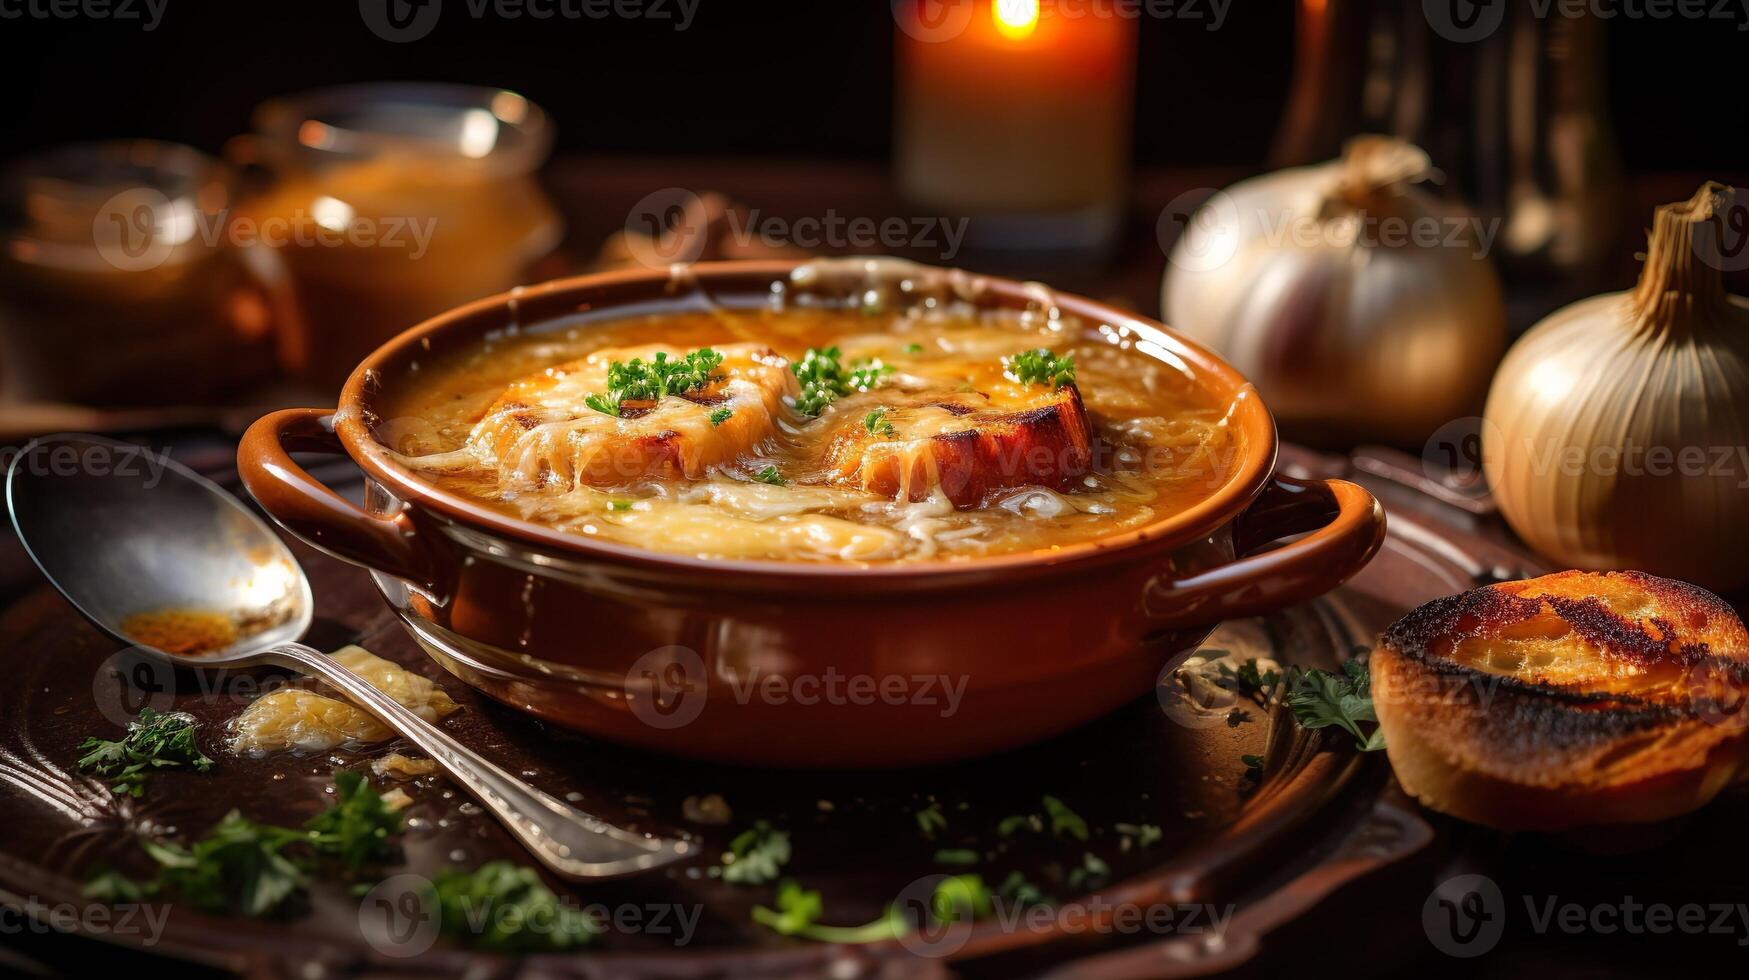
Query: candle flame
[1015,19]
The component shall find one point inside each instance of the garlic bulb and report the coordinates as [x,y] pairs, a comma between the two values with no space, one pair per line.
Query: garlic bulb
[1362,308]
[1617,431]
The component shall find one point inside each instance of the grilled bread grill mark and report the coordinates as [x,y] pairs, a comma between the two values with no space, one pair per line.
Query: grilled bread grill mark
[1573,699]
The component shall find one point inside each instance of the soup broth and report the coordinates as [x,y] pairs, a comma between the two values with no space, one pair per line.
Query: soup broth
[818,434]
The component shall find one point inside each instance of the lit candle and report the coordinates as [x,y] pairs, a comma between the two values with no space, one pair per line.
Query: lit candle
[1008,112]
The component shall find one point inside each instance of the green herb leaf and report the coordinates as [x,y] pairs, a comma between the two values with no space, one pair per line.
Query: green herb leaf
[876,422]
[772,476]
[619,505]
[799,909]
[962,855]
[1040,367]
[1138,835]
[637,380]
[721,415]
[257,869]
[930,821]
[756,854]
[1024,893]
[913,348]
[357,828]
[1320,699]
[1020,821]
[824,379]
[505,907]
[1064,820]
[154,740]
[1091,874]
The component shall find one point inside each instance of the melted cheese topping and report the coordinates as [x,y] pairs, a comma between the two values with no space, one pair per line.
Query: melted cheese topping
[961,462]
[309,722]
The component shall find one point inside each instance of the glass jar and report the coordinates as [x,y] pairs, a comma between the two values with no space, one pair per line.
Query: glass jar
[117,283]
[378,206]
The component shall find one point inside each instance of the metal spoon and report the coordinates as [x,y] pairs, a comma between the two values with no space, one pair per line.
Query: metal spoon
[120,530]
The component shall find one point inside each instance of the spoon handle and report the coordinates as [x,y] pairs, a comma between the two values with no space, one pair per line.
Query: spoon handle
[572,843]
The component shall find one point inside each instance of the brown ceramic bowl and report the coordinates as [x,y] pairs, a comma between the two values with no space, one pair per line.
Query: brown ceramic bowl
[792,664]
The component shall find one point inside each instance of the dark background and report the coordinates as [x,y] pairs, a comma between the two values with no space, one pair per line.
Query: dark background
[755,77]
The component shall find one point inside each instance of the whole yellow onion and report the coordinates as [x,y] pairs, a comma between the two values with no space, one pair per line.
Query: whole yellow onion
[1616,433]
[1363,308]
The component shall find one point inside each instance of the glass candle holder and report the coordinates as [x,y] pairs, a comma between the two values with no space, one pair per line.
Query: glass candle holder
[1018,117]
[381,205]
[117,283]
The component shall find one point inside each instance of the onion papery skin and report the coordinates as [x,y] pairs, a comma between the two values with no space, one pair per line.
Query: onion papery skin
[1348,340]
[1616,434]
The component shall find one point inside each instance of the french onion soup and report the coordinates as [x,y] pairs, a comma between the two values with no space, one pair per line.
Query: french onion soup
[822,433]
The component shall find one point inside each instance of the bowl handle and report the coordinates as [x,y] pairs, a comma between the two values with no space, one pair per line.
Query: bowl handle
[1346,527]
[322,518]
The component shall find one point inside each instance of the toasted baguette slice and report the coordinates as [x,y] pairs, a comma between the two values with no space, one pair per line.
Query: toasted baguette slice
[963,443]
[542,435]
[1573,700]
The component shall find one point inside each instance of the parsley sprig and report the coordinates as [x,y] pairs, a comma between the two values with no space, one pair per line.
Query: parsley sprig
[1040,367]
[876,422]
[154,740]
[505,907]
[1320,699]
[638,380]
[824,378]
[956,897]
[756,854]
[259,869]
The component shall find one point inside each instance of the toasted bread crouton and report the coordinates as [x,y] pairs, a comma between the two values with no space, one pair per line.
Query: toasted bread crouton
[1572,700]
[964,443]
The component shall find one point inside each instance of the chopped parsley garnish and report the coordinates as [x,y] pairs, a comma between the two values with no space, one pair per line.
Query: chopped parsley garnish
[1091,874]
[876,422]
[1018,890]
[1020,821]
[1320,699]
[913,348]
[756,854]
[798,912]
[259,869]
[638,380]
[1064,820]
[619,505]
[154,740]
[1040,367]
[1250,682]
[506,908]
[956,855]
[239,865]
[930,820]
[824,379]
[721,415]
[772,476]
[1138,835]
[357,828]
